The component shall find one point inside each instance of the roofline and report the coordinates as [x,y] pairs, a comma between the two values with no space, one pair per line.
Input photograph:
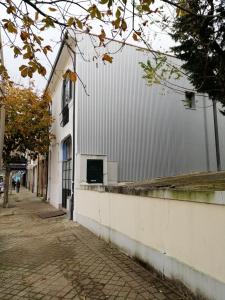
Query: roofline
[129,44]
[96,35]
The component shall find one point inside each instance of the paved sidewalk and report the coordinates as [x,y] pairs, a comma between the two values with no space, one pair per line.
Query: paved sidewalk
[59,259]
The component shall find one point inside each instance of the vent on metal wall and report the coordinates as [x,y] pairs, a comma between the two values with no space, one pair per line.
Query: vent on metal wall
[94,170]
[189,101]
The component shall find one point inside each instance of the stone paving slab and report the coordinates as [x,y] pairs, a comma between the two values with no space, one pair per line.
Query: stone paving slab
[53,259]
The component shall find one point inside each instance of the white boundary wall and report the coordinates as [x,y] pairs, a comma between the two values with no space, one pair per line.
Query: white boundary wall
[182,239]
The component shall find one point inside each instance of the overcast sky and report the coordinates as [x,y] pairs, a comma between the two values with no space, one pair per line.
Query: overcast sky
[13,64]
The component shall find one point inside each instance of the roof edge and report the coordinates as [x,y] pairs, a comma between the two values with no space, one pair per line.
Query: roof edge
[96,35]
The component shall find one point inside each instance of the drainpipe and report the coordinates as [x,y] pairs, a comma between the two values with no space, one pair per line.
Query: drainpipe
[206,134]
[73,146]
[218,162]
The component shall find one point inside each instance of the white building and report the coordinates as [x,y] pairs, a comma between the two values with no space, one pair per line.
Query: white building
[111,127]
[119,129]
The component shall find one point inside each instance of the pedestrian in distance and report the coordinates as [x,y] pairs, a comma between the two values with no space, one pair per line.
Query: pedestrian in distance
[13,184]
[18,186]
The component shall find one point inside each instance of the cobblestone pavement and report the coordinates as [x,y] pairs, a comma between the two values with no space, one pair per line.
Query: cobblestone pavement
[59,259]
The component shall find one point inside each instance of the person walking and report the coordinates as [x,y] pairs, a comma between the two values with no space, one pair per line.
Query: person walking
[13,183]
[18,186]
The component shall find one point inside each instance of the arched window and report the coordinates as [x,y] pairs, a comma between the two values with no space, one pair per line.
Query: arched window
[67,149]
[66,92]
[66,170]
[66,97]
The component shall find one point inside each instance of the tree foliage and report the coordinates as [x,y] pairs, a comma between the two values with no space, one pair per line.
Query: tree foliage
[27,122]
[26,126]
[201,38]
[26,21]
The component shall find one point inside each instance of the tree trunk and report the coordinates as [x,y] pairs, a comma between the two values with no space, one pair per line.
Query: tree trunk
[6,187]
[46,178]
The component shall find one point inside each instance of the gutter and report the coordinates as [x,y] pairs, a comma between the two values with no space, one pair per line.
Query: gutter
[73,145]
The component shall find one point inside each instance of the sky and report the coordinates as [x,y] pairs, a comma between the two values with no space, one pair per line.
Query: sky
[12,64]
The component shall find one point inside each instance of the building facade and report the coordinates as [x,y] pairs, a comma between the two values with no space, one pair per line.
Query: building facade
[37,176]
[112,127]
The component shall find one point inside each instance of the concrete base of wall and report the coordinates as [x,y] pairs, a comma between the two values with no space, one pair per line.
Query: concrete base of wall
[198,282]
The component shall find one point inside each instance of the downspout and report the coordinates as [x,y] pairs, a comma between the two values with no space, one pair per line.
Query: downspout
[217,145]
[73,145]
[206,134]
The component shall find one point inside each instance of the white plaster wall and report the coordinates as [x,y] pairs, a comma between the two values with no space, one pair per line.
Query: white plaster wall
[55,177]
[191,233]
[55,163]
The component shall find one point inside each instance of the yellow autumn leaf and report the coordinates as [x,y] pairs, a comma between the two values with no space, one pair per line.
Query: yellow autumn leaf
[79,23]
[107,57]
[102,36]
[73,76]
[52,9]
[135,37]
[70,21]
[10,27]
[36,15]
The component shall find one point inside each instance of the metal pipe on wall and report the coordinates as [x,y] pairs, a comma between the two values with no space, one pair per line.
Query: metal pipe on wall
[206,134]
[73,146]
[217,145]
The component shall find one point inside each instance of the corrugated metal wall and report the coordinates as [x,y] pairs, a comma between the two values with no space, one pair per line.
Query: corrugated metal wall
[146,129]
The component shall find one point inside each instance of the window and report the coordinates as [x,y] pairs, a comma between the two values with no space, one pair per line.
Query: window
[189,100]
[66,97]
[94,170]
[66,170]
[65,116]
[66,92]
[67,149]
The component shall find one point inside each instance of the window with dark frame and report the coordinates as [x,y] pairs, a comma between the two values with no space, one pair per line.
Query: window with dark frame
[66,97]
[190,100]
[67,149]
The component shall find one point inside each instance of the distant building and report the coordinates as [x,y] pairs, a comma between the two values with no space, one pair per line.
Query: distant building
[37,174]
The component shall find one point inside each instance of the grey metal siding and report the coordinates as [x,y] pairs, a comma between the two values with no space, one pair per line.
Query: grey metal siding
[146,129]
